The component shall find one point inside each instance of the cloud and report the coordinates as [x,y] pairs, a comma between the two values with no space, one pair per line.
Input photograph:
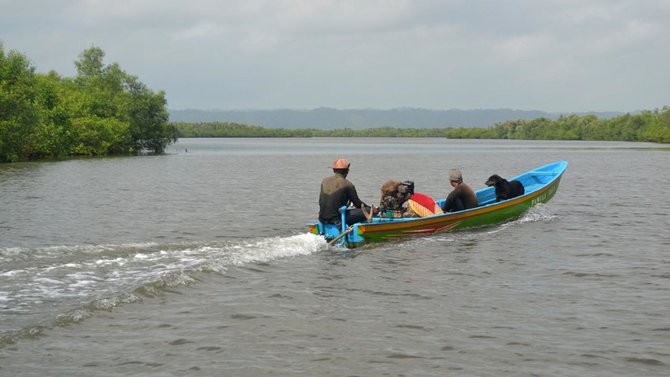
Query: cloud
[564,55]
[200,30]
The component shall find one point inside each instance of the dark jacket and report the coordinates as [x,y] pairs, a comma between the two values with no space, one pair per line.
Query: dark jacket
[336,191]
[462,197]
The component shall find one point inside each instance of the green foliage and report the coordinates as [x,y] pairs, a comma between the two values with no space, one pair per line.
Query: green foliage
[90,63]
[646,126]
[104,110]
[241,130]
[99,136]
[653,126]
[148,119]
[233,130]
[101,111]
[19,116]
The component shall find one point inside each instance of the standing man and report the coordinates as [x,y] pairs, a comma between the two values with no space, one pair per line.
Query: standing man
[337,191]
[462,197]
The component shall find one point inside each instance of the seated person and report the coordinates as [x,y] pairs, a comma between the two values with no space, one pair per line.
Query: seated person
[337,191]
[462,197]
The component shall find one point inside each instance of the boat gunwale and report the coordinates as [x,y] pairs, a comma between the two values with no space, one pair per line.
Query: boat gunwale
[492,212]
[410,222]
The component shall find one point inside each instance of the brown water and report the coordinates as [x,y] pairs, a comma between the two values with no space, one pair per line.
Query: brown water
[198,263]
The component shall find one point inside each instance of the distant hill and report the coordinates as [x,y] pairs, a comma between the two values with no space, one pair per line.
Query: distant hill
[328,119]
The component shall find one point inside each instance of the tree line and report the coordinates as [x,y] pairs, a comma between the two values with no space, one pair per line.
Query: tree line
[227,129]
[105,111]
[649,126]
[101,111]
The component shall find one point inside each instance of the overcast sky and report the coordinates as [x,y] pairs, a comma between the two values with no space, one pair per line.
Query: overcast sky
[550,55]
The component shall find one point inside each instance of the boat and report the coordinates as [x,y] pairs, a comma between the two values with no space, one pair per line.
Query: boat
[540,186]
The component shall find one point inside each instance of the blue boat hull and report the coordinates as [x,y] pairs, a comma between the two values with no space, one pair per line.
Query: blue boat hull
[540,186]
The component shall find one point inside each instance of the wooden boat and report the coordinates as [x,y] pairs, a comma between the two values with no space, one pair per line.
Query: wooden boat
[540,186]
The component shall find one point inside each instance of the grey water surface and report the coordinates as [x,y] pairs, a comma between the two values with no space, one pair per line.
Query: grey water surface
[198,263]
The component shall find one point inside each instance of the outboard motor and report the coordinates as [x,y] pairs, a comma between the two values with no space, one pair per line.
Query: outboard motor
[395,194]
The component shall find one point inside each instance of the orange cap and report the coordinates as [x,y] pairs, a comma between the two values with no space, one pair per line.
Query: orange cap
[340,163]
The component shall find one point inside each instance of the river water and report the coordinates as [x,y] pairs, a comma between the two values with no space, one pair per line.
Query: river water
[198,263]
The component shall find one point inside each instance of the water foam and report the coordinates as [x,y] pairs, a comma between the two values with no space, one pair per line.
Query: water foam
[68,284]
[536,213]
